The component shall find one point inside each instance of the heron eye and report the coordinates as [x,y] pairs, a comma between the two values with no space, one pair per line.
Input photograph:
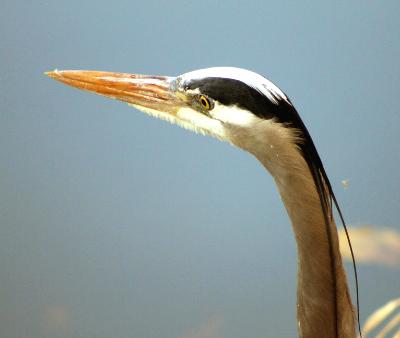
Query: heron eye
[205,102]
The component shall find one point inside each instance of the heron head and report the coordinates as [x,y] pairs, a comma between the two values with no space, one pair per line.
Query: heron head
[224,102]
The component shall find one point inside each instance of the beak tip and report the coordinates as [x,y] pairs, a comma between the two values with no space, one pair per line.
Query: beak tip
[53,74]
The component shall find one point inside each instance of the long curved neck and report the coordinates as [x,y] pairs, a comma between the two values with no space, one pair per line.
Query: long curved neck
[324,307]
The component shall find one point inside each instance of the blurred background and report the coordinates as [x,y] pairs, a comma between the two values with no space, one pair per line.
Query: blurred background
[114,224]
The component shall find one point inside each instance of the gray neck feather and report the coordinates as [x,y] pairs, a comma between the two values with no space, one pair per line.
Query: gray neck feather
[324,307]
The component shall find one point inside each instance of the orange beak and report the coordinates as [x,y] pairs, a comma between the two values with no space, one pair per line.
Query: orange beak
[146,91]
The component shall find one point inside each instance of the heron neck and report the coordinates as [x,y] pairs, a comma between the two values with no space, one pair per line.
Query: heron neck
[324,307]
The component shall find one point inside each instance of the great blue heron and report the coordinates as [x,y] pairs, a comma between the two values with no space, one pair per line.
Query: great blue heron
[250,112]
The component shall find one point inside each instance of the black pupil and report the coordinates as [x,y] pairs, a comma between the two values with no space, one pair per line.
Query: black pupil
[204,102]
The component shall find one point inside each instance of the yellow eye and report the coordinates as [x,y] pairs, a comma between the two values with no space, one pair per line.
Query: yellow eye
[205,102]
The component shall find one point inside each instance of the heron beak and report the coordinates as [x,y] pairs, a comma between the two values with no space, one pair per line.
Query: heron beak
[145,92]
[157,96]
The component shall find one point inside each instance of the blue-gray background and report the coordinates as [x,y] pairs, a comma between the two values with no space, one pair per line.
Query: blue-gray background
[114,224]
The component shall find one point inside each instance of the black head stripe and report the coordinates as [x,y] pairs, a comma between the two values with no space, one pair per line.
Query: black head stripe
[234,92]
